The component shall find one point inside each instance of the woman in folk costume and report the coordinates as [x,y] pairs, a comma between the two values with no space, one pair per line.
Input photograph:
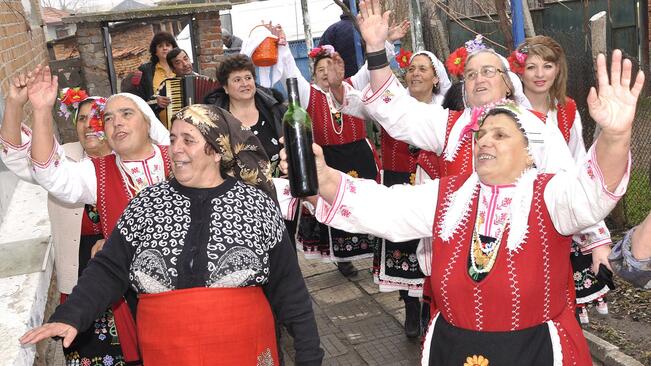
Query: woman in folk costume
[501,278]
[540,61]
[107,182]
[208,254]
[346,146]
[73,248]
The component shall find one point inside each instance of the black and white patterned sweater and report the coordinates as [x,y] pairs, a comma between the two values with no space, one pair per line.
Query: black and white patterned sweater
[175,237]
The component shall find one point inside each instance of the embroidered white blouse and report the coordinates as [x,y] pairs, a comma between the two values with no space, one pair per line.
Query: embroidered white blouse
[70,181]
[575,200]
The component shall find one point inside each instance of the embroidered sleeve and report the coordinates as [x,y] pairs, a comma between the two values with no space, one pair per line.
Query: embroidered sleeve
[16,157]
[352,104]
[637,272]
[405,118]
[593,237]
[397,213]
[578,198]
[288,204]
[273,224]
[68,181]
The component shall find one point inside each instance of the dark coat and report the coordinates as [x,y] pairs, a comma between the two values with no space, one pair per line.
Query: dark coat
[269,103]
[341,36]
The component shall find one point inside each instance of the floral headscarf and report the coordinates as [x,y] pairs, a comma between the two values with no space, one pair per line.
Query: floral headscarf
[243,156]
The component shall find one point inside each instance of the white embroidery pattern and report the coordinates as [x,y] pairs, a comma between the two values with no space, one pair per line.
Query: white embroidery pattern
[244,225]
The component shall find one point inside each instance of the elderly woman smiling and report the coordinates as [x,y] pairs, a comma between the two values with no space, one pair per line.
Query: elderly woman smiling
[208,254]
[501,276]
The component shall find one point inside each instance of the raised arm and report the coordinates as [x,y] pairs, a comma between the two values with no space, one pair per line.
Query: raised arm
[15,139]
[613,108]
[578,199]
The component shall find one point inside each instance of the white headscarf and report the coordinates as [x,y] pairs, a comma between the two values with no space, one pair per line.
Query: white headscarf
[441,72]
[157,132]
[550,155]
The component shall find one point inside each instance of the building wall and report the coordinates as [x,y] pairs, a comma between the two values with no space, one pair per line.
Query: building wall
[19,52]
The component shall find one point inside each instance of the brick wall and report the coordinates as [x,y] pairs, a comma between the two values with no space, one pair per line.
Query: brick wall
[65,49]
[20,51]
[210,42]
[130,36]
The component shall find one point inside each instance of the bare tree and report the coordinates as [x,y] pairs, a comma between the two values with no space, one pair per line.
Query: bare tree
[66,5]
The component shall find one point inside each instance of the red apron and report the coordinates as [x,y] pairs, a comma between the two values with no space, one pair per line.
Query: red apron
[207,326]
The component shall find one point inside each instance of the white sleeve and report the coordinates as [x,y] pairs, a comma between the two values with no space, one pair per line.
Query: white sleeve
[405,118]
[579,198]
[362,78]
[288,204]
[576,144]
[398,213]
[68,181]
[353,105]
[593,237]
[290,70]
[16,157]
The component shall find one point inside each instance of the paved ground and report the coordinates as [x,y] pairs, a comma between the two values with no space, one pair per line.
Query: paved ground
[358,325]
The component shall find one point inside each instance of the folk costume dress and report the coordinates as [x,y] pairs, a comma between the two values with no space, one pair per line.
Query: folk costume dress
[108,183]
[522,310]
[346,147]
[589,289]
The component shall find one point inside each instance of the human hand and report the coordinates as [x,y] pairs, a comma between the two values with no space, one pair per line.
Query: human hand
[321,166]
[67,332]
[97,247]
[42,88]
[336,71]
[600,256]
[613,105]
[17,96]
[373,24]
[397,31]
[162,101]
[277,30]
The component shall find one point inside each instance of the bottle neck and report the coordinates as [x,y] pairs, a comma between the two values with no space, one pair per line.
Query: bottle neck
[292,93]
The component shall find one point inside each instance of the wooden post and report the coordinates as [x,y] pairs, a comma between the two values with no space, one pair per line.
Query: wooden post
[598,41]
[417,43]
[529,30]
[307,29]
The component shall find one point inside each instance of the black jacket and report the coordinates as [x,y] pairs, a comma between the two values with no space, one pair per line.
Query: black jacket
[269,103]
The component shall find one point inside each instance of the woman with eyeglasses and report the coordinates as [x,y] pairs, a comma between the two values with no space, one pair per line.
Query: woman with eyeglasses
[541,63]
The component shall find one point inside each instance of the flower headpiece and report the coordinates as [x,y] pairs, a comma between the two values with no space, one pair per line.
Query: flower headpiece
[478,114]
[517,60]
[70,99]
[403,58]
[456,62]
[325,50]
[96,116]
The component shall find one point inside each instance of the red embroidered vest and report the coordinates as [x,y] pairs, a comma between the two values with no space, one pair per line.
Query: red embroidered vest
[436,166]
[565,116]
[531,285]
[325,128]
[396,156]
[112,192]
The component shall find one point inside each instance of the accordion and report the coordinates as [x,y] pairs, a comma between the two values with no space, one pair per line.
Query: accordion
[185,91]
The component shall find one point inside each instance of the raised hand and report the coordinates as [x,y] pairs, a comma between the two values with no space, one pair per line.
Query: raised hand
[17,96]
[42,88]
[67,332]
[336,71]
[373,24]
[397,31]
[613,105]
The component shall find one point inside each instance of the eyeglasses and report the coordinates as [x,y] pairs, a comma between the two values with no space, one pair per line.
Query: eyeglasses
[487,71]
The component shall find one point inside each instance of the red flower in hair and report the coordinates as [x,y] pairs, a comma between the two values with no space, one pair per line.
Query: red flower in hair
[403,58]
[73,95]
[456,62]
[517,60]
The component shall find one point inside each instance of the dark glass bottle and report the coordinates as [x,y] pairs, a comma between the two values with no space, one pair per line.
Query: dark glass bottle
[297,127]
